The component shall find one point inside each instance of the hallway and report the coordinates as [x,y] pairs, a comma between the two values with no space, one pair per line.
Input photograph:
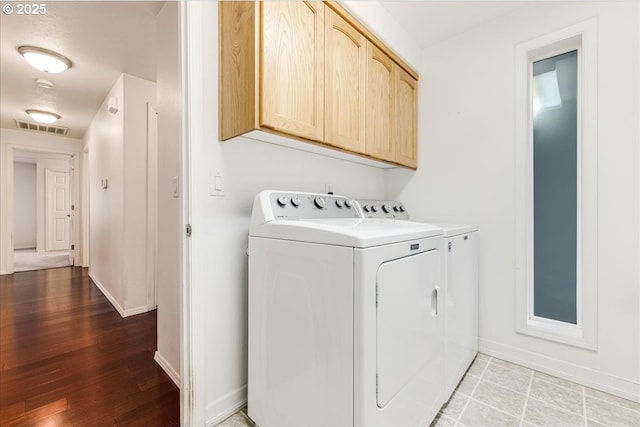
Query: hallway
[68,358]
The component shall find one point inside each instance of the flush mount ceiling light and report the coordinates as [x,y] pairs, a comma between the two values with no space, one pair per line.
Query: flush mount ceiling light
[45,60]
[43,116]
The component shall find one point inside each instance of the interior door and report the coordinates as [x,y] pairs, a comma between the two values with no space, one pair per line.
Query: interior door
[57,210]
[409,327]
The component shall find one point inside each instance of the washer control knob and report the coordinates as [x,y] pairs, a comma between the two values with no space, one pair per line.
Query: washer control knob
[401,208]
[340,203]
[366,208]
[348,204]
[396,209]
[282,201]
[295,201]
[386,208]
[319,202]
[374,208]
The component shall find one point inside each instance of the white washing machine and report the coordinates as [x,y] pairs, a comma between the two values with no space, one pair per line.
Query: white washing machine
[460,289]
[345,325]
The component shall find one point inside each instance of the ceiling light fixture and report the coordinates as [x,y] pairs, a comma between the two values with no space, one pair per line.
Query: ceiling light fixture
[43,116]
[45,60]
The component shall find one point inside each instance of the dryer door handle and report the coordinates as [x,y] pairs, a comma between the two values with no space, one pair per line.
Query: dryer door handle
[434,302]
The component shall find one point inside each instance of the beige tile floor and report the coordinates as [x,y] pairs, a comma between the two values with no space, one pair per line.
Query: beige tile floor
[495,393]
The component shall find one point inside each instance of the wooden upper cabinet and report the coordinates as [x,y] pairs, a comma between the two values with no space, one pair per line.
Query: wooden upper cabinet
[308,71]
[380,104]
[345,82]
[292,67]
[237,70]
[405,122]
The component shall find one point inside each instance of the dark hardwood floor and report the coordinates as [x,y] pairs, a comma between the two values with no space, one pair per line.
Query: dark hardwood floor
[67,358]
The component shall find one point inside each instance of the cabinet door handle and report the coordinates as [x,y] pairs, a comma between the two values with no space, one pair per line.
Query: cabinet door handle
[434,302]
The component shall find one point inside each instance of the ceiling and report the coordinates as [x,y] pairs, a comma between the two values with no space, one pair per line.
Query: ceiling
[102,39]
[106,38]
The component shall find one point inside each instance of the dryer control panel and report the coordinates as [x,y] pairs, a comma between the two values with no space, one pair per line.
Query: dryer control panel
[294,205]
[389,209]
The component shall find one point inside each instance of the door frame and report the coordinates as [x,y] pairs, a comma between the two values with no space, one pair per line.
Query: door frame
[152,204]
[9,217]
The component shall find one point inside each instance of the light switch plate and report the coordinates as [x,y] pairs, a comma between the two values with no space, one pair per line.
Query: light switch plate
[175,186]
[216,184]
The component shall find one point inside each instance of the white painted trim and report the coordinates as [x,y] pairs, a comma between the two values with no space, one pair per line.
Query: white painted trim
[123,313]
[106,293]
[563,369]
[192,357]
[152,204]
[168,368]
[585,334]
[227,405]
[136,310]
[7,192]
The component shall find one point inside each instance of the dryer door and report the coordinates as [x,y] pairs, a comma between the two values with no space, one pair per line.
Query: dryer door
[409,335]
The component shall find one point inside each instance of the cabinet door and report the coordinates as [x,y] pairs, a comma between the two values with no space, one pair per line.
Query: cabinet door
[405,131]
[292,67]
[345,80]
[380,99]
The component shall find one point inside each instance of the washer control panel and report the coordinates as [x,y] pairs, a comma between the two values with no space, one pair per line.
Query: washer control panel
[292,205]
[389,209]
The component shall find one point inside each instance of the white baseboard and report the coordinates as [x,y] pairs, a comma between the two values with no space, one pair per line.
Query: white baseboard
[563,369]
[136,310]
[106,293]
[225,406]
[123,313]
[168,369]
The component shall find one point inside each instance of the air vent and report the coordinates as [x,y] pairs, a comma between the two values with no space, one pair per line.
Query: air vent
[39,127]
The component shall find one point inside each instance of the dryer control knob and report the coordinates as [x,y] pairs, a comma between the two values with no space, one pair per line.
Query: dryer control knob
[401,208]
[366,208]
[282,201]
[319,202]
[374,208]
[386,208]
[339,203]
[295,201]
[348,204]
[396,209]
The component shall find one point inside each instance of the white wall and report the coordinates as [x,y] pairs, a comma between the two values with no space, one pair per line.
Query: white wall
[11,139]
[117,152]
[169,249]
[137,93]
[218,291]
[374,16]
[467,174]
[105,141]
[24,205]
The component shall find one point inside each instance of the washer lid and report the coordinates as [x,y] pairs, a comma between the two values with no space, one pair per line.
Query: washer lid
[352,232]
[450,230]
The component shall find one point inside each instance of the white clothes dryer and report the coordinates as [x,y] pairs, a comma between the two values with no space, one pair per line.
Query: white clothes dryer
[344,315]
[460,288]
